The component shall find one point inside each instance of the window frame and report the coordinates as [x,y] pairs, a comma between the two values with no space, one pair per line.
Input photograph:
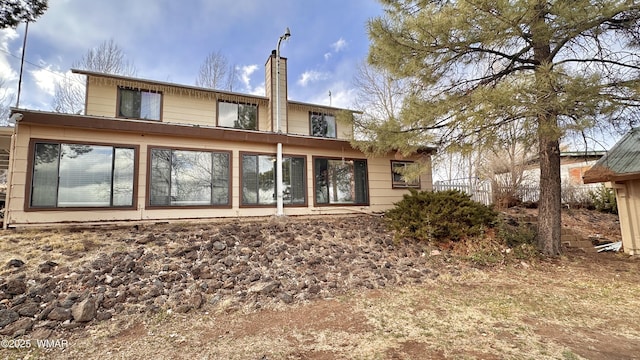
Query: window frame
[323,114]
[237,103]
[148,204]
[141,90]
[305,185]
[367,190]
[403,184]
[27,207]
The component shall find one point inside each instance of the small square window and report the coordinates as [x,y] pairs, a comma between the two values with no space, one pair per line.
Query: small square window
[397,177]
[139,104]
[322,125]
[238,116]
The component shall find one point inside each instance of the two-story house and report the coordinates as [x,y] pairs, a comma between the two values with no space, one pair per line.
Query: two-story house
[155,151]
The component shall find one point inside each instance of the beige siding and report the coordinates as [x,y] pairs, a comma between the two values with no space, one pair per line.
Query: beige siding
[101,100]
[263,118]
[184,106]
[628,200]
[381,195]
[298,122]
[343,130]
[185,109]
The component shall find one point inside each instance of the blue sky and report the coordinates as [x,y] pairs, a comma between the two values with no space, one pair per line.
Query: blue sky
[168,40]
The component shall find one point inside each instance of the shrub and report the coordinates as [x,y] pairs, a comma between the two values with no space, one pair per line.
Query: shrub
[604,200]
[518,236]
[439,216]
[514,233]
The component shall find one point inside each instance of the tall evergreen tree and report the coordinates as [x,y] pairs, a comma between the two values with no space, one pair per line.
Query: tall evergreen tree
[555,66]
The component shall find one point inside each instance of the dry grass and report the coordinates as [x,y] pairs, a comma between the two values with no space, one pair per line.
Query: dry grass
[579,306]
[561,309]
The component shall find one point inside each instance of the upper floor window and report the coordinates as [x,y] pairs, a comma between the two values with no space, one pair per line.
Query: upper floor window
[322,125]
[238,116]
[79,175]
[398,179]
[139,104]
[189,178]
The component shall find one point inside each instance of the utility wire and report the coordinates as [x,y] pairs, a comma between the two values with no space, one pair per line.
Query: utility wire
[43,68]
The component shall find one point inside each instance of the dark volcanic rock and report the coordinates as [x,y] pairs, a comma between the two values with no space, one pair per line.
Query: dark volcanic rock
[8,316]
[14,287]
[187,268]
[15,263]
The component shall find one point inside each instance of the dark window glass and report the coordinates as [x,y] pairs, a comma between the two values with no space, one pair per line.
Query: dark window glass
[341,181]
[139,104]
[73,175]
[398,179]
[239,116]
[323,125]
[259,180]
[188,178]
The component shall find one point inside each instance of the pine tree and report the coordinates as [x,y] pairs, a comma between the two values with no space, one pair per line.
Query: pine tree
[13,12]
[557,67]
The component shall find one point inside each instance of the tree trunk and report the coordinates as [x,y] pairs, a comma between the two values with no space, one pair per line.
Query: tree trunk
[549,204]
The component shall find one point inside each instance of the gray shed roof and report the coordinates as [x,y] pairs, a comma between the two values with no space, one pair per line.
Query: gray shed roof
[621,163]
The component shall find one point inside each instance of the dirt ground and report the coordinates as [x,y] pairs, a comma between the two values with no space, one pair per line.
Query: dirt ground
[582,305]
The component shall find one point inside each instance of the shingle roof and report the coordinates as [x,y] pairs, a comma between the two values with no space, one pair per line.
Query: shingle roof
[621,163]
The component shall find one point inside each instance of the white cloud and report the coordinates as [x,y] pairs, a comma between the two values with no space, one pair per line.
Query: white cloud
[327,56]
[245,75]
[7,73]
[258,90]
[341,96]
[311,76]
[46,79]
[339,45]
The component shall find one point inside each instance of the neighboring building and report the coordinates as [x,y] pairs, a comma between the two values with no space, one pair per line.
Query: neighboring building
[620,169]
[573,165]
[149,150]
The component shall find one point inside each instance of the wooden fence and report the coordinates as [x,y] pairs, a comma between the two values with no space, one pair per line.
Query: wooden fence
[480,192]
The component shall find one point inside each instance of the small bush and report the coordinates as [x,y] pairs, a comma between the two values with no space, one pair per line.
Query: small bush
[439,216]
[514,233]
[604,200]
[520,237]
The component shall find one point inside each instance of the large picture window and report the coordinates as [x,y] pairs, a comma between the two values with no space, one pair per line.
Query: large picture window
[189,178]
[76,175]
[259,180]
[139,104]
[398,179]
[239,116]
[322,125]
[341,181]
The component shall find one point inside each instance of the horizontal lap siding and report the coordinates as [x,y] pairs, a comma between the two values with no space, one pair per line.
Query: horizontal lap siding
[344,130]
[298,122]
[185,109]
[263,118]
[101,100]
[381,194]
